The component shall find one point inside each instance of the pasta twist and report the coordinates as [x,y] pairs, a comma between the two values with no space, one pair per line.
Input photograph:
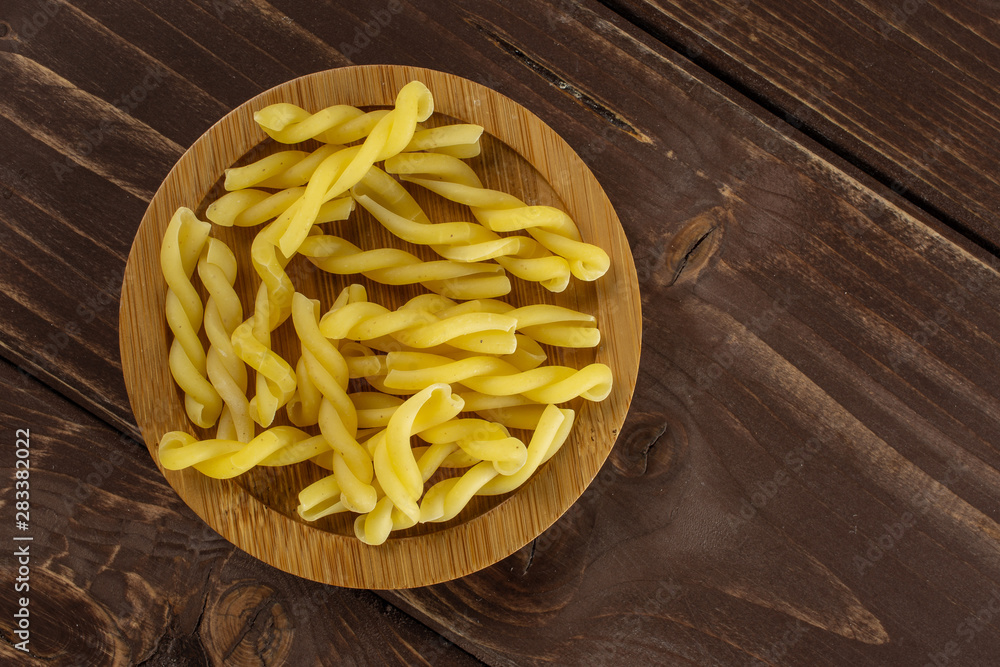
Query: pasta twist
[481,440]
[182,245]
[225,459]
[292,168]
[223,313]
[395,464]
[338,419]
[390,266]
[496,377]
[344,124]
[276,384]
[552,431]
[444,500]
[270,263]
[340,124]
[284,169]
[502,212]
[447,498]
[545,323]
[250,207]
[341,171]
[397,211]
[374,527]
[275,377]
[461,140]
[362,320]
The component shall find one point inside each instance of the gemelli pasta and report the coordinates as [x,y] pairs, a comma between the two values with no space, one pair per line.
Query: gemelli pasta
[407,414]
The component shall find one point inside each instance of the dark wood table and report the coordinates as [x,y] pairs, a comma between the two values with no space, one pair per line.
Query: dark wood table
[809,471]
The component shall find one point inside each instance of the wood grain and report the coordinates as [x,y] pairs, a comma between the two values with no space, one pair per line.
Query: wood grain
[123,573]
[908,91]
[804,326]
[520,155]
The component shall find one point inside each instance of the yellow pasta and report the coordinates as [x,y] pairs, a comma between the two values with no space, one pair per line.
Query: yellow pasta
[524,417]
[490,375]
[343,124]
[250,207]
[431,362]
[374,528]
[395,465]
[340,124]
[544,323]
[276,385]
[391,266]
[338,420]
[269,263]
[361,361]
[553,429]
[502,212]
[415,328]
[461,141]
[292,168]
[224,459]
[223,313]
[285,169]
[374,408]
[447,498]
[275,377]
[182,245]
[482,440]
[397,211]
[303,406]
[341,171]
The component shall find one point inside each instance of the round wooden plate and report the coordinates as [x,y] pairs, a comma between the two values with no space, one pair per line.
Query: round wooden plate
[256,511]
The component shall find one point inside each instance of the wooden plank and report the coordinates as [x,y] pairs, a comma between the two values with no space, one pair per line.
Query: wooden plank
[905,90]
[818,379]
[120,571]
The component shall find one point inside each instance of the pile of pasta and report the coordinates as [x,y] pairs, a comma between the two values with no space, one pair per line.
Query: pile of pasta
[456,368]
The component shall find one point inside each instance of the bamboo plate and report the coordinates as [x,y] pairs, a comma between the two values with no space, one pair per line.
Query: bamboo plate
[256,511]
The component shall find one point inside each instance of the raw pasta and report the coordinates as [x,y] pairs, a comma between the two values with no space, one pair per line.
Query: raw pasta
[223,313]
[338,419]
[494,376]
[394,207]
[341,171]
[275,378]
[453,179]
[391,266]
[182,244]
[361,320]
[455,350]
